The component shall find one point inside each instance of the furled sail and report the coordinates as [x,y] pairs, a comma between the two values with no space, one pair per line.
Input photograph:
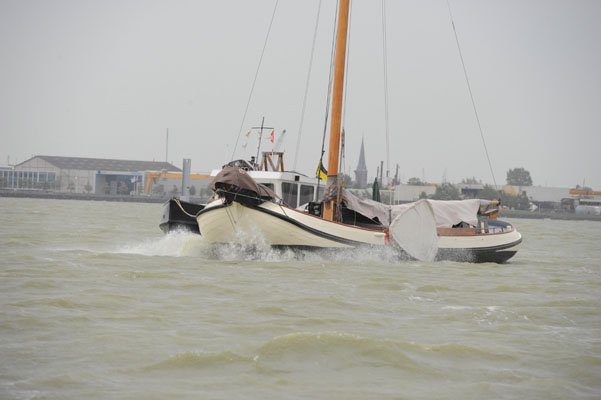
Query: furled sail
[446,213]
[414,231]
[235,184]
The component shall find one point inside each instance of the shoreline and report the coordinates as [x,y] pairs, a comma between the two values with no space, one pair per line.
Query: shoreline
[162,199]
[565,216]
[82,196]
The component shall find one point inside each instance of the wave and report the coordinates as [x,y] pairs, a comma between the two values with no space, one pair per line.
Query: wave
[305,350]
[352,350]
[195,359]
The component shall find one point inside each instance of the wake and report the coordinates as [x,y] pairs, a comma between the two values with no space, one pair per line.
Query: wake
[186,244]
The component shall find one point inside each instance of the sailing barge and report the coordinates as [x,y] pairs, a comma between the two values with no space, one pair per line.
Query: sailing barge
[267,204]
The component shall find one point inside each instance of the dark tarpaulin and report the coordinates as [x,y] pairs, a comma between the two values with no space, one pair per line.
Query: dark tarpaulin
[235,184]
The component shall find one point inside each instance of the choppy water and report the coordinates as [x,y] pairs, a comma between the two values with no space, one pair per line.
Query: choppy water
[97,303]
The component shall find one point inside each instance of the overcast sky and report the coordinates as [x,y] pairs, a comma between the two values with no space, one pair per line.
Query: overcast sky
[107,78]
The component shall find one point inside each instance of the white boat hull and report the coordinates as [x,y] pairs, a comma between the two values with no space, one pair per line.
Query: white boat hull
[275,225]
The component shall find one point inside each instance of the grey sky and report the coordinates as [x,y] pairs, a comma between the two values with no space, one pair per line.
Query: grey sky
[106,78]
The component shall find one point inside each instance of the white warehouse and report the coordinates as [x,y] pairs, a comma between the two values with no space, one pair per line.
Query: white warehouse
[82,175]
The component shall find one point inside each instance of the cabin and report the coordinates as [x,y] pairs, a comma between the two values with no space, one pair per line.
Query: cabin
[295,189]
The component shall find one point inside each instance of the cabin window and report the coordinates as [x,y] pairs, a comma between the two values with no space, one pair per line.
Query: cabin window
[306,194]
[269,185]
[289,193]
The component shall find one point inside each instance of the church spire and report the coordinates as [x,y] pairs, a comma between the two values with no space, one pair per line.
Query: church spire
[361,171]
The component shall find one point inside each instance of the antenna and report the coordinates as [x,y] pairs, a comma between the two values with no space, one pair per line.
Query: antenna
[385,65]
[185,192]
[260,129]
[260,137]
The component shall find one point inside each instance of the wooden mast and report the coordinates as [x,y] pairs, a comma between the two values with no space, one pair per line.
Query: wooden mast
[337,95]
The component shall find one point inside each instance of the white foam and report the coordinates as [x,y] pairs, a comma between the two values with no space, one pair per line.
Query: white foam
[457,308]
[247,247]
[173,244]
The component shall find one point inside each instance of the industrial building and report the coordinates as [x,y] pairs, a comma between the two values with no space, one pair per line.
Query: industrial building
[83,175]
[169,183]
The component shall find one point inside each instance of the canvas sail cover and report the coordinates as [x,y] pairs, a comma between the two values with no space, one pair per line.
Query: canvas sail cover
[446,212]
[452,212]
[414,231]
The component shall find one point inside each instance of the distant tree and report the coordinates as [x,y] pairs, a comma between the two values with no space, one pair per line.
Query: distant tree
[423,195]
[192,191]
[519,202]
[471,181]
[489,193]
[416,182]
[87,187]
[519,177]
[522,202]
[446,191]
[347,180]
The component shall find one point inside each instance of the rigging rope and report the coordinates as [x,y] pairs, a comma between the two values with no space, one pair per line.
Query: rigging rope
[302,119]
[252,88]
[177,201]
[469,88]
[385,63]
[342,164]
[330,81]
[348,56]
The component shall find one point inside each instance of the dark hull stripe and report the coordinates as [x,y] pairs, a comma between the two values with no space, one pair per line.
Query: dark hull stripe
[492,248]
[480,254]
[294,222]
[475,257]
